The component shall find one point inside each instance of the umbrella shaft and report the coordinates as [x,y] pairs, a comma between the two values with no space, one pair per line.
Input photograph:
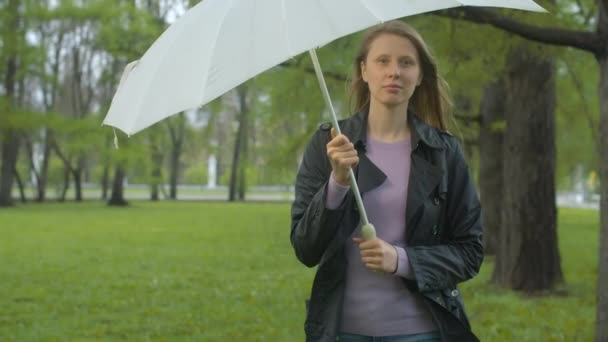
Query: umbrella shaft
[334,119]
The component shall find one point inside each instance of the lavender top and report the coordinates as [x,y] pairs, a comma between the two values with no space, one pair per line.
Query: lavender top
[378,304]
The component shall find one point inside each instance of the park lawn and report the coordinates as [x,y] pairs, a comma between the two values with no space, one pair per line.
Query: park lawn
[194,271]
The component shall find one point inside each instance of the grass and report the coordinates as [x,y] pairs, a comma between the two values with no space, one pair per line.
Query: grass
[194,271]
[499,315]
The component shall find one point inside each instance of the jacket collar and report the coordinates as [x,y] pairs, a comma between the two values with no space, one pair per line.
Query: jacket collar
[419,129]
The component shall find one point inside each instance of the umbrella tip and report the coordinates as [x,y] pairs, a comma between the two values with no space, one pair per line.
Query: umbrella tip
[115,138]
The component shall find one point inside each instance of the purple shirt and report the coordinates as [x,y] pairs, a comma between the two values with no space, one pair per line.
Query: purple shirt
[378,304]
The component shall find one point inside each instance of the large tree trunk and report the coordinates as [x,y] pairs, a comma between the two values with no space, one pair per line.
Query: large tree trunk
[528,257]
[117,198]
[601,334]
[492,113]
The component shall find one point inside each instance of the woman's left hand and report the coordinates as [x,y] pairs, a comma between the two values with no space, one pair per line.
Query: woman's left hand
[378,255]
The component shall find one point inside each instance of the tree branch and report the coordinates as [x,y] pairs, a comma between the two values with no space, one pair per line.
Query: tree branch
[588,41]
[586,111]
[66,161]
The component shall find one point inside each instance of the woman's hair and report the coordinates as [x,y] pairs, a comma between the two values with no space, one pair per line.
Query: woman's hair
[430,101]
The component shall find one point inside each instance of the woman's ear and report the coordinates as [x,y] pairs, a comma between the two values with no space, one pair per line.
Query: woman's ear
[363,72]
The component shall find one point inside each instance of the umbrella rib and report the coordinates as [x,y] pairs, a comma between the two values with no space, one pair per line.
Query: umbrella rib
[285,22]
[370,10]
[149,85]
[252,59]
[330,23]
[212,49]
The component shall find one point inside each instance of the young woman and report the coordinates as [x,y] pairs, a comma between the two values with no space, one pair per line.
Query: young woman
[417,191]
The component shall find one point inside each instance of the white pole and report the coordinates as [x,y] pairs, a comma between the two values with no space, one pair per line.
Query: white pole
[353,181]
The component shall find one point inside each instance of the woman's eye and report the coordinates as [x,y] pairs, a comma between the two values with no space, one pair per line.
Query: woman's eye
[406,62]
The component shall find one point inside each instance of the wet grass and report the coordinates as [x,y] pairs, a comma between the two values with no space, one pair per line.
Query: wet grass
[194,271]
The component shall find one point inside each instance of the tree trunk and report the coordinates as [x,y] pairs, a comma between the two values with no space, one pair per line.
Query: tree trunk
[154,191]
[241,135]
[77,173]
[21,186]
[492,112]
[66,184]
[528,257]
[44,169]
[117,198]
[40,171]
[105,181]
[177,142]
[10,150]
[10,143]
[601,334]
[242,186]
[157,164]
[235,165]
[173,171]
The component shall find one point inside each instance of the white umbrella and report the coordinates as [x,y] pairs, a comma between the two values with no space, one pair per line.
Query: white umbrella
[219,44]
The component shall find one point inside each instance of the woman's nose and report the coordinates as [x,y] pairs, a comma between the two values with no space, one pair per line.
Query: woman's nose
[395,71]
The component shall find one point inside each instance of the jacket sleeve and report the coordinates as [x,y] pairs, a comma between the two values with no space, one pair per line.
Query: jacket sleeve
[313,226]
[459,256]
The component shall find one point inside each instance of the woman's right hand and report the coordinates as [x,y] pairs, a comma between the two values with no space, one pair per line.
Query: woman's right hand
[342,156]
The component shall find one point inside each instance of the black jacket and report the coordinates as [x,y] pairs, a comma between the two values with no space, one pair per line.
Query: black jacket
[443,220]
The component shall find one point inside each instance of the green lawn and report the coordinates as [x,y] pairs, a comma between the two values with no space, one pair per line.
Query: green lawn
[192,271]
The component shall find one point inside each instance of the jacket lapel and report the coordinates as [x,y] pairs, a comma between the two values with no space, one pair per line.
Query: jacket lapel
[369,176]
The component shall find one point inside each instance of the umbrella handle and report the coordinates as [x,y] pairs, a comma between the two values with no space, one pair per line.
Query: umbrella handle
[334,119]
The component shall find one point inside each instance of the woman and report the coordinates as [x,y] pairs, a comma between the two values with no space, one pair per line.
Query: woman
[417,191]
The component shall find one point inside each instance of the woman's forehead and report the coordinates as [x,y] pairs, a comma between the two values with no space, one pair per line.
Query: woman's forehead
[393,44]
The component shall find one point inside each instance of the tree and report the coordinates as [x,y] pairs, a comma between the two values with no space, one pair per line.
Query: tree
[176,127]
[12,36]
[117,198]
[596,43]
[527,258]
[125,32]
[239,155]
[491,185]
[51,31]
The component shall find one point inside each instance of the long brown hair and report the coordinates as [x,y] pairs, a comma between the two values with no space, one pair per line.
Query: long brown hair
[430,101]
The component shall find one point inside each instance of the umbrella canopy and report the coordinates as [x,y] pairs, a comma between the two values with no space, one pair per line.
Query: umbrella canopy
[219,44]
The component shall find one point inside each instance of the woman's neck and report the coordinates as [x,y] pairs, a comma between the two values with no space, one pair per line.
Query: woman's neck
[388,124]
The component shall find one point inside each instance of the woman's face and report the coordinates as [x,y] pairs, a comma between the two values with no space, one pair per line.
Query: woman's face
[391,70]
